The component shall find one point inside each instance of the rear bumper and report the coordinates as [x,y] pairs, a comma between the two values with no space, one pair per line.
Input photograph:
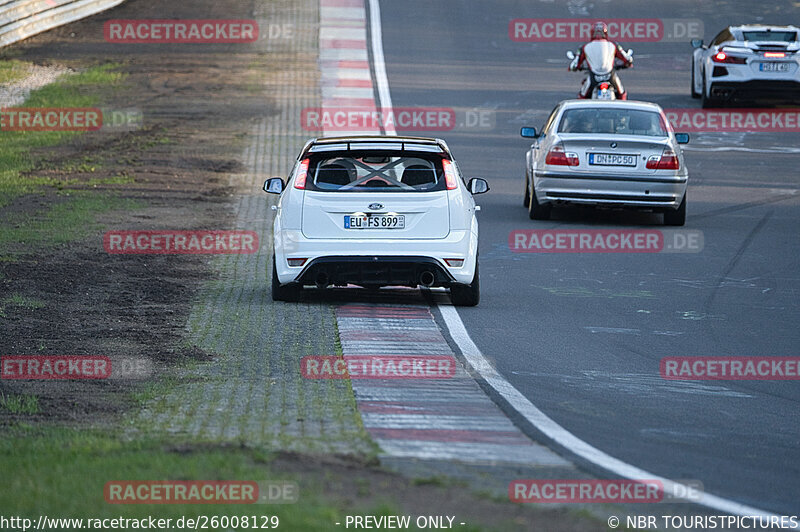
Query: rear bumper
[376,261]
[645,192]
[380,270]
[788,90]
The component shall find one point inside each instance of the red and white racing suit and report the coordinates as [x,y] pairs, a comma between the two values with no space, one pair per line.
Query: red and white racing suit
[599,56]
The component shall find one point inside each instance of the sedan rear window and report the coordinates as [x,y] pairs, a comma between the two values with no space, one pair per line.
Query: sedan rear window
[376,172]
[613,121]
[773,36]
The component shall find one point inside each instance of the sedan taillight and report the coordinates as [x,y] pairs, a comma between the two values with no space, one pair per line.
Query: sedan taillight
[558,156]
[668,160]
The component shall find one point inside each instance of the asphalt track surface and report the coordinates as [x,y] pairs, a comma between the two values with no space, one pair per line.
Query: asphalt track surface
[581,335]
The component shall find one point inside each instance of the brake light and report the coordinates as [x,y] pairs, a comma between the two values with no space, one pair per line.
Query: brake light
[558,156]
[774,54]
[604,86]
[722,57]
[302,173]
[668,160]
[449,174]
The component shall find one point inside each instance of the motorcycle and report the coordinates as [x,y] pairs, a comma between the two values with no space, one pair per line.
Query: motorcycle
[600,74]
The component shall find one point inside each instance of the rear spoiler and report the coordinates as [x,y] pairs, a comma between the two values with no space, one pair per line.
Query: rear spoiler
[411,144]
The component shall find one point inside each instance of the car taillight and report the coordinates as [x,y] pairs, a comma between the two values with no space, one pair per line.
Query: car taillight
[454,263]
[302,173]
[722,57]
[449,174]
[558,156]
[666,161]
[604,86]
[296,263]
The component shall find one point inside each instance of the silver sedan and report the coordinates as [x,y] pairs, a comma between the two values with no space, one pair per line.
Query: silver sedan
[620,154]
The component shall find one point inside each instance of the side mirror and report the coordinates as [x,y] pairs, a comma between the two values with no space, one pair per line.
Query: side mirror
[477,185]
[529,132]
[274,185]
[697,43]
[570,54]
[682,138]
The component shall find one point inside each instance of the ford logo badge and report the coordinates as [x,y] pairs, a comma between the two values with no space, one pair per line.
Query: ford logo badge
[375,206]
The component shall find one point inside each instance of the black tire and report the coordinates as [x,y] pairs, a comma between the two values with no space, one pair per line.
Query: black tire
[695,95]
[706,101]
[537,211]
[676,217]
[467,295]
[284,292]
[527,199]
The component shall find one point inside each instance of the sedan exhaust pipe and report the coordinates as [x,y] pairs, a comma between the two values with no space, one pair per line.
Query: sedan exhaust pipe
[322,280]
[427,278]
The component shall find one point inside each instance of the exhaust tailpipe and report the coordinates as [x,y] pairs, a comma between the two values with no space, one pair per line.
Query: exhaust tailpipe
[427,278]
[322,280]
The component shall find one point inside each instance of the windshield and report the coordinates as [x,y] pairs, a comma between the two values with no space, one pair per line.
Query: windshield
[376,172]
[773,36]
[613,121]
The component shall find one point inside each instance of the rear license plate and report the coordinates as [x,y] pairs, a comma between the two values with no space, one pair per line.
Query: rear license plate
[612,159]
[773,67]
[375,221]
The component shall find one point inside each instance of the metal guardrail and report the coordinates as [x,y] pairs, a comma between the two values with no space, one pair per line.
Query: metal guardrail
[20,19]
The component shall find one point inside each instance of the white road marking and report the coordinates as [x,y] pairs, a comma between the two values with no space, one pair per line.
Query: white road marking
[378,62]
[559,434]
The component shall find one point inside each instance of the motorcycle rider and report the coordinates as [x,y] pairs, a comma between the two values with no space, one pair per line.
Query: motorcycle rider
[600,55]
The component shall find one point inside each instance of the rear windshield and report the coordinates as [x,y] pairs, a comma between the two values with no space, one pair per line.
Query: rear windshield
[375,172]
[775,36]
[613,121]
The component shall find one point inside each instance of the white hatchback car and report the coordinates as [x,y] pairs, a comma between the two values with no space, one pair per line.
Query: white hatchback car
[376,211]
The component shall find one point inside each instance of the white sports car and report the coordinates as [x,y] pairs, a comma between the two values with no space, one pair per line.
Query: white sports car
[750,62]
[376,211]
